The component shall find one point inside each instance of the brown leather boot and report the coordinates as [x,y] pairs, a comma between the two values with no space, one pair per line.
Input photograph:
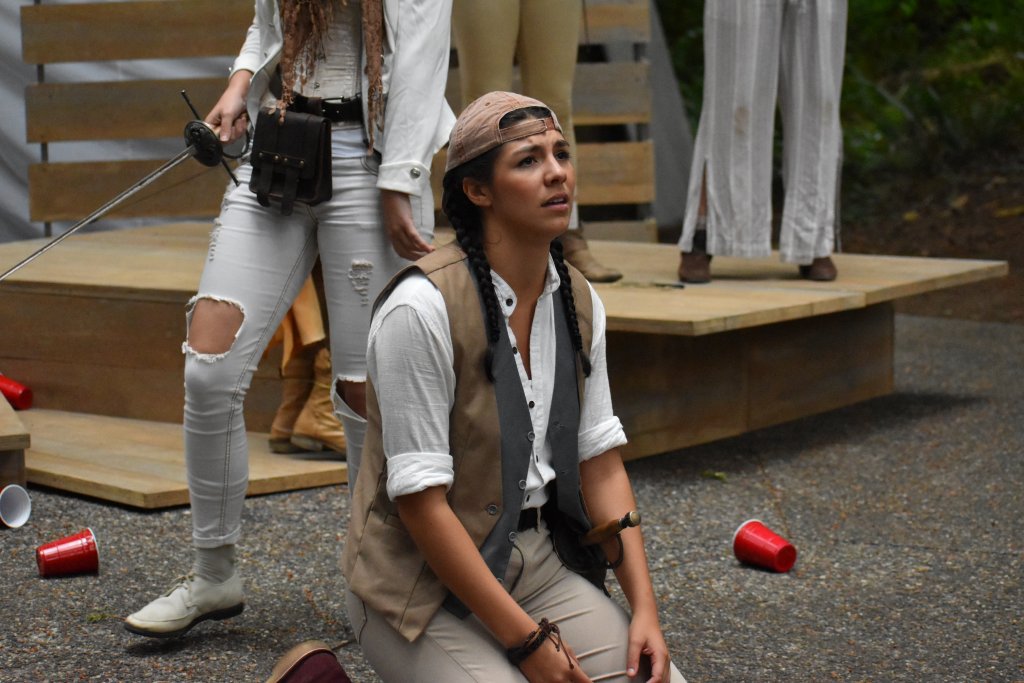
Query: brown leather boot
[576,252]
[296,384]
[695,265]
[317,427]
[822,269]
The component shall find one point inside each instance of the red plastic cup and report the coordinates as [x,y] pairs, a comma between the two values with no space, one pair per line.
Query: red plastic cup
[75,554]
[754,543]
[16,393]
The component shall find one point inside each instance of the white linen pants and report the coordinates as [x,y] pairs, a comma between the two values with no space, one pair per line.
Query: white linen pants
[258,260]
[457,650]
[755,52]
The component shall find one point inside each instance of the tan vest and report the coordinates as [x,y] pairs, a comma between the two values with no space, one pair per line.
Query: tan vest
[380,560]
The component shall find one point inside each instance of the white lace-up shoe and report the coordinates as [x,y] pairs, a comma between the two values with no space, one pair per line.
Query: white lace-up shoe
[190,600]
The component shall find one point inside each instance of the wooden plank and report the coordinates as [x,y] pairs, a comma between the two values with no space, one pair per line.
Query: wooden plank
[141,463]
[118,110]
[617,21]
[751,292]
[13,435]
[623,231]
[817,364]
[145,29]
[71,191]
[715,386]
[150,393]
[615,173]
[14,439]
[100,31]
[611,93]
[610,173]
[603,93]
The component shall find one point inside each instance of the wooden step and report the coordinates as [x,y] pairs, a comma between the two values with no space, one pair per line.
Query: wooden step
[14,439]
[141,464]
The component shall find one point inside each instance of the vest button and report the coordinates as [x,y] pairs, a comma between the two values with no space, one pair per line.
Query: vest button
[530,436]
[512,536]
[492,509]
[522,484]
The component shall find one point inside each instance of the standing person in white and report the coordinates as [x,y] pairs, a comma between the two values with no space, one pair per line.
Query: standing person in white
[393,56]
[756,53]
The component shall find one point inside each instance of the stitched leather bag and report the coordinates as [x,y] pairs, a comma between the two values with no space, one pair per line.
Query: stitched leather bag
[291,159]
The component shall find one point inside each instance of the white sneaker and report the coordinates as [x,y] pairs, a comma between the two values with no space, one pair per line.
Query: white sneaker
[190,600]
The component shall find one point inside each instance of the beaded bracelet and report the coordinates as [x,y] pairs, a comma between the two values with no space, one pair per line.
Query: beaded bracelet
[544,630]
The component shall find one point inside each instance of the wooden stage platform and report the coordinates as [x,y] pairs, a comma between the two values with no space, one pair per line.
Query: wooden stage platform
[95,328]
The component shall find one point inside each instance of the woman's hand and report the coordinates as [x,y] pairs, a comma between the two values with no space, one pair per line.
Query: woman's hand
[549,665]
[645,638]
[228,117]
[397,215]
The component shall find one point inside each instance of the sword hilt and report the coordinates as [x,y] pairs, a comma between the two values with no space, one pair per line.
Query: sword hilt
[205,145]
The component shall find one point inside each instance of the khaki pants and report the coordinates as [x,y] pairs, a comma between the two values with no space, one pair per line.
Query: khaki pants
[463,650]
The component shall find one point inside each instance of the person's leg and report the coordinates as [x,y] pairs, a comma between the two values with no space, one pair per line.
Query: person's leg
[358,261]
[256,263]
[813,47]
[595,627]
[451,649]
[484,33]
[548,43]
[731,173]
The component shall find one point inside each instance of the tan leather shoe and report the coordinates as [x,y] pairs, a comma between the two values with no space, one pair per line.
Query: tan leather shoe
[576,252]
[317,428]
[296,385]
[822,269]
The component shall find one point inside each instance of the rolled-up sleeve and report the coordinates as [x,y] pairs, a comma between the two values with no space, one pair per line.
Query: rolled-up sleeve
[411,367]
[600,429]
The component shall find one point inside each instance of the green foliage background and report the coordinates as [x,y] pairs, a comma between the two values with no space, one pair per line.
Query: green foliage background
[929,84]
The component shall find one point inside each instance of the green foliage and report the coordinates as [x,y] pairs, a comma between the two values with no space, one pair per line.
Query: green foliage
[928,83]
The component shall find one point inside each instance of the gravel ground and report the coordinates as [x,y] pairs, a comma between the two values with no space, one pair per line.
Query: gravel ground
[905,511]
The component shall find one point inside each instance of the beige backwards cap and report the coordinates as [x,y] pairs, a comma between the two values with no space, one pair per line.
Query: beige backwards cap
[476,131]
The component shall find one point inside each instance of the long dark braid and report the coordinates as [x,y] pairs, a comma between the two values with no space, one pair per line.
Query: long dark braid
[465,219]
[569,303]
[464,216]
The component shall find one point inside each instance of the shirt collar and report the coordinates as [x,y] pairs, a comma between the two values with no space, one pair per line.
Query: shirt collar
[507,297]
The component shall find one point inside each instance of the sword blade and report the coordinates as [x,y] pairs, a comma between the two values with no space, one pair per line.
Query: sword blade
[103,210]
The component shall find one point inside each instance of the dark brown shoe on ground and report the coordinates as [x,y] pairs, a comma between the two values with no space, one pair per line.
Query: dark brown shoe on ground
[822,269]
[695,265]
[576,252]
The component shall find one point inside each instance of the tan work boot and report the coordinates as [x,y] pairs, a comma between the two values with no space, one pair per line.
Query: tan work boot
[296,385]
[576,252]
[317,427]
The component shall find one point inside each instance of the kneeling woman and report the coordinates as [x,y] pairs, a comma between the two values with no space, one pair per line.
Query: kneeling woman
[490,434]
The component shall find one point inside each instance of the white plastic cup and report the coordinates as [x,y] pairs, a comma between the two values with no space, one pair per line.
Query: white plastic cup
[15,506]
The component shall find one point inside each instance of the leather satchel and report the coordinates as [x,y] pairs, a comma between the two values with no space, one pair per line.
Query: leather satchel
[291,159]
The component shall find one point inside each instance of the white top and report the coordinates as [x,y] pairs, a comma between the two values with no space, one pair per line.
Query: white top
[417,117]
[411,364]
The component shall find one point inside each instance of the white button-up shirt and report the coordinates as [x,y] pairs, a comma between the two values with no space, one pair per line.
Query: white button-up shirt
[411,364]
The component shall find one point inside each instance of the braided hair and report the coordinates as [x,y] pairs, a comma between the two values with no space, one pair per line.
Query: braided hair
[466,219]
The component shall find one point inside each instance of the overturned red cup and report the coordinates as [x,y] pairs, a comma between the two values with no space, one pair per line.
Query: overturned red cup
[756,544]
[75,554]
[16,393]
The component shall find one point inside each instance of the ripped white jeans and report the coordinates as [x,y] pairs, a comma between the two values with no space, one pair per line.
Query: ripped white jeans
[258,260]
